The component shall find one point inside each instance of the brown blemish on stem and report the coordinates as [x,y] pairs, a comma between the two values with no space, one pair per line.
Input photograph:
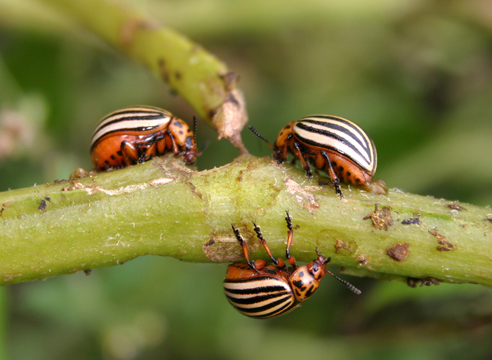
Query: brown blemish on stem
[362,259]
[42,206]
[80,173]
[411,221]
[399,252]
[455,207]
[413,282]
[193,190]
[341,247]
[380,218]
[163,70]
[444,245]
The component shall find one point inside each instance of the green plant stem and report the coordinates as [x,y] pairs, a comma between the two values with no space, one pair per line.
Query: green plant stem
[199,77]
[163,208]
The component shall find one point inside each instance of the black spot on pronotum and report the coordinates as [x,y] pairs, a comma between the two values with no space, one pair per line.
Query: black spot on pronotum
[177,124]
[301,273]
[297,283]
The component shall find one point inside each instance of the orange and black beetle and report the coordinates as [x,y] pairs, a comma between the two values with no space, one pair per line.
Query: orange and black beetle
[331,143]
[263,291]
[136,134]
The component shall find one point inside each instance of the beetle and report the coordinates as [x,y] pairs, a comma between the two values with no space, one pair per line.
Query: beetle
[263,291]
[331,143]
[136,134]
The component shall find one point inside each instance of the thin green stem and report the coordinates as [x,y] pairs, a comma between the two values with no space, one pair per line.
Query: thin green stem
[200,78]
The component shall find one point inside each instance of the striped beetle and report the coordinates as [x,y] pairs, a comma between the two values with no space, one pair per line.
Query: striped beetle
[331,143]
[262,291]
[136,134]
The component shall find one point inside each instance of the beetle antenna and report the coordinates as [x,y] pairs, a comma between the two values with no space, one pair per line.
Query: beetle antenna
[194,129]
[346,283]
[205,144]
[254,131]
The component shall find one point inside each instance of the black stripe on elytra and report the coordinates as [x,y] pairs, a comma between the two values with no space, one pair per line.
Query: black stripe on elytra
[265,307]
[130,118]
[350,132]
[282,310]
[313,143]
[257,299]
[254,290]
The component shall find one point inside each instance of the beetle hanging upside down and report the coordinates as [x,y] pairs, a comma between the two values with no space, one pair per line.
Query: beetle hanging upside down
[333,144]
[263,291]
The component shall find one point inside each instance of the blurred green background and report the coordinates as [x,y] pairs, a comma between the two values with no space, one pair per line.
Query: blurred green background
[416,75]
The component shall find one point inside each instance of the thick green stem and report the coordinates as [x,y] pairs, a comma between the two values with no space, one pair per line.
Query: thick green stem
[163,208]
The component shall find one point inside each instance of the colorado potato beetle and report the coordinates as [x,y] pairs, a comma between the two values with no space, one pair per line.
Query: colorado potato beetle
[262,291]
[331,143]
[136,134]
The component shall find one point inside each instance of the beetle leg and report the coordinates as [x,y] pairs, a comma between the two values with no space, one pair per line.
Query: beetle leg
[334,177]
[160,144]
[129,153]
[290,235]
[298,154]
[239,238]
[264,243]
[170,136]
[152,149]
[147,151]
